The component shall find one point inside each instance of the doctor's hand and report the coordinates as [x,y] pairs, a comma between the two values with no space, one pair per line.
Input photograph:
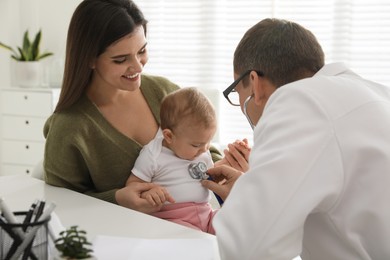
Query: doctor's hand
[237,155]
[130,197]
[224,178]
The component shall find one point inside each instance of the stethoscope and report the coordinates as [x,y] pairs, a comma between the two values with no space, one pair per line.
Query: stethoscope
[198,171]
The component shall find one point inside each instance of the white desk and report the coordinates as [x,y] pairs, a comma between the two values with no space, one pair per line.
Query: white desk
[95,216]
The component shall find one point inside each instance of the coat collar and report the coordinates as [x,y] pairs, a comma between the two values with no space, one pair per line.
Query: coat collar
[334,69]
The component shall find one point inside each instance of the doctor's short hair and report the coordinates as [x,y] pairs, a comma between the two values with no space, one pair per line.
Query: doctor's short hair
[283,50]
[187,105]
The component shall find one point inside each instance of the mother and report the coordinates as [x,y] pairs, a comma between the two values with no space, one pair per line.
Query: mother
[107,110]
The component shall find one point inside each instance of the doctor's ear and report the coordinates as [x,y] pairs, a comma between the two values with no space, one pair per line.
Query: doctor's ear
[262,88]
[168,135]
[257,83]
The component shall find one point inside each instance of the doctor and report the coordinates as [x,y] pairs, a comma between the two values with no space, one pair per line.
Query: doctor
[318,183]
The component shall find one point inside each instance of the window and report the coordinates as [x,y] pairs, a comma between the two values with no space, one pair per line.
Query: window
[192,42]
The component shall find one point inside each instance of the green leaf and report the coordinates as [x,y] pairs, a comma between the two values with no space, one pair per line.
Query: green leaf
[22,56]
[6,46]
[26,45]
[35,45]
[72,243]
[15,58]
[10,49]
[30,51]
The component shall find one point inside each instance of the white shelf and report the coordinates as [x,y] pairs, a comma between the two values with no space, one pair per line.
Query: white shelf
[23,114]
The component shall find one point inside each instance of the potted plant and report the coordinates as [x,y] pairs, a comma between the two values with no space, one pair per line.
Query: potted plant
[73,244]
[28,56]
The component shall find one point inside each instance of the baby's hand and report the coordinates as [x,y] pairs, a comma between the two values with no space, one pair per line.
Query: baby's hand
[157,196]
[237,155]
[242,146]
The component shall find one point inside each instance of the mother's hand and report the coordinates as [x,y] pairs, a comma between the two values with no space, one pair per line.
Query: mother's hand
[223,178]
[130,197]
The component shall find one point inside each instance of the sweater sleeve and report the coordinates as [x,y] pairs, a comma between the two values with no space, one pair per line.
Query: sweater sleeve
[64,165]
[215,154]
[67,163]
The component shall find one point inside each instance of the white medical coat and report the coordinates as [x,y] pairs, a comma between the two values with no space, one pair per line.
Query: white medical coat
[319,178]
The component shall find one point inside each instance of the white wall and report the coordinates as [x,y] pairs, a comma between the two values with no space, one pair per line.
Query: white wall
[8,24]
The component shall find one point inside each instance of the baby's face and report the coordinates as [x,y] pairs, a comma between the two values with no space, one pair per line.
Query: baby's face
[189,142]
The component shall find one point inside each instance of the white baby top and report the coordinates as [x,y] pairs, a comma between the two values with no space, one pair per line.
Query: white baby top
[160,165]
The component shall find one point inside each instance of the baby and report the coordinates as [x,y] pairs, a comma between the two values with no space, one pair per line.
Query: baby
[188,124]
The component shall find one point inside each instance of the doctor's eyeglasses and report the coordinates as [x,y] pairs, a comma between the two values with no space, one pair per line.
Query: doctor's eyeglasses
[231,94]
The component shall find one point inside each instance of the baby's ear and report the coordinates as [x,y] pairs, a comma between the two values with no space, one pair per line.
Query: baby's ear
[168,135]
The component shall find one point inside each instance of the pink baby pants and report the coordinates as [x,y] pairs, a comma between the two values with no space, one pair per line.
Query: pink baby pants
[194,215]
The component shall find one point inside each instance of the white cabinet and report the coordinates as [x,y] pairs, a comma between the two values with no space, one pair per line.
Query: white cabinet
[24,113]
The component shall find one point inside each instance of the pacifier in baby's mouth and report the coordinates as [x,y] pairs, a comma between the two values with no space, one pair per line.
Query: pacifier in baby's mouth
[198,171]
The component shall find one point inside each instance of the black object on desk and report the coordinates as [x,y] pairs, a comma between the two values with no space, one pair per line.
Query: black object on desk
[10,240]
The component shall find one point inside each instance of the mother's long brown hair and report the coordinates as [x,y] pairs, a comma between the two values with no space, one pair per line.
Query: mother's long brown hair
[94,26]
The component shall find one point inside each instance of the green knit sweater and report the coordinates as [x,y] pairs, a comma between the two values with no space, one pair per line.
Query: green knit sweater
[85,153]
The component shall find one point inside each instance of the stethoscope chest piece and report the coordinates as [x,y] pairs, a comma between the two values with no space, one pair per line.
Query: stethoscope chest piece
[198,170]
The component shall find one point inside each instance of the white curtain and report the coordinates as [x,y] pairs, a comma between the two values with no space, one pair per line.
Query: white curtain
[192,42]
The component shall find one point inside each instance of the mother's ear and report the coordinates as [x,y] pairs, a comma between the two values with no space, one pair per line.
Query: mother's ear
[92,64]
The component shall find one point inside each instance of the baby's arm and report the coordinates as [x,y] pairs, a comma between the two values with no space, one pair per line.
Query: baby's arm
[156,196]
